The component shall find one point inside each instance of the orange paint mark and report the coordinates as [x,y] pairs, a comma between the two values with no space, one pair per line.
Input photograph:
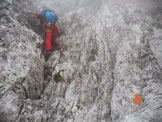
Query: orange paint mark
[137,99]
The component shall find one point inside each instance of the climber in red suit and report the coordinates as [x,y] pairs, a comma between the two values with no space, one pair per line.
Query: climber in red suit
[48,19]
[51,33]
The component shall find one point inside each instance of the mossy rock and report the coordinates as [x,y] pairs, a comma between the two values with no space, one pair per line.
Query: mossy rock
[77,44]
[94,52]
[58,77]
[93,55]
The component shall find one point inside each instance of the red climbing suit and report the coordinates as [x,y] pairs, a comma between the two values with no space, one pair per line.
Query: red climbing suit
[50,36]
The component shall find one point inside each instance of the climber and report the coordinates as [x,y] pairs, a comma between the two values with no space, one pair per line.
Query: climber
[48,19]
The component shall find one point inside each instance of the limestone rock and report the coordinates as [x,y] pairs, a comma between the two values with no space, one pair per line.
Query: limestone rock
[110,52]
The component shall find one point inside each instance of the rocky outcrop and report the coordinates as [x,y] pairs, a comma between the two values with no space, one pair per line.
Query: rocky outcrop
[107,57]
[21,67]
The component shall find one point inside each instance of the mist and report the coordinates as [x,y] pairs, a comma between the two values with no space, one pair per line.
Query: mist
[65,6]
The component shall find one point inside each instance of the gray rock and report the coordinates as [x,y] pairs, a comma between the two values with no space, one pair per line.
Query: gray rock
[110,51]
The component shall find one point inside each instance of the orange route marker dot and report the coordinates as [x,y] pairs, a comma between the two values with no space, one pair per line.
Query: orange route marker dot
[137,99]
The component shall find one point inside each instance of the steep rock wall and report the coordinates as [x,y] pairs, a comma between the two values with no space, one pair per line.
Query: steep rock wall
[21,70]
[107,57]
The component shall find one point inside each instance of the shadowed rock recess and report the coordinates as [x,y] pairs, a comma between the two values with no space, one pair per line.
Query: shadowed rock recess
[110,52]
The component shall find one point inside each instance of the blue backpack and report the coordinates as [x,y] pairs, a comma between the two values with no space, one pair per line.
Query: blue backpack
[50,16]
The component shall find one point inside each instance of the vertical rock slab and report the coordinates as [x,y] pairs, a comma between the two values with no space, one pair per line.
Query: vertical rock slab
[21,68]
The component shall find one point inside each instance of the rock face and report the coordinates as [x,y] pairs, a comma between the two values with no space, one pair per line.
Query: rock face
[110,52]
[20,66]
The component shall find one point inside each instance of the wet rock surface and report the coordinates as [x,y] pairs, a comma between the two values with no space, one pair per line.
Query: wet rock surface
[107,57]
